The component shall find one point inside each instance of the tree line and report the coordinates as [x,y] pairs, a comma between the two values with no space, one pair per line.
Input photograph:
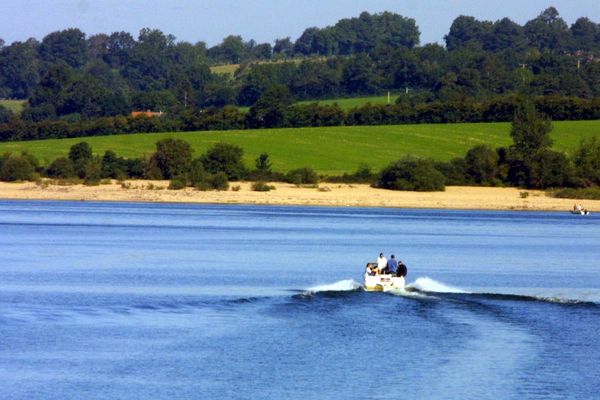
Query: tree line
[275,110]
[73,78]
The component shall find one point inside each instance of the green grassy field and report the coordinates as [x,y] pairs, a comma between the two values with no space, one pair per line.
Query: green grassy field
[331,150]
[227,69]
[347,104]
[16,106]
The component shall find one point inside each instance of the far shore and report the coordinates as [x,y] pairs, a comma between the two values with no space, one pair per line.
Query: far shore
[325,194]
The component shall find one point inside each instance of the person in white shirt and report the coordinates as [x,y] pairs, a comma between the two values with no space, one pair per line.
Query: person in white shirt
[381,264]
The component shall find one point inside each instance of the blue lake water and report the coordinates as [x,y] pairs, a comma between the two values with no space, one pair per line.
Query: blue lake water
[160,301]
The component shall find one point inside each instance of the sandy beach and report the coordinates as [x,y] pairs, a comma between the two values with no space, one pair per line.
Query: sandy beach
[326,194]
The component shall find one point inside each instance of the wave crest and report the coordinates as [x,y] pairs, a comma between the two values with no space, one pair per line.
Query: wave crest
[426,284]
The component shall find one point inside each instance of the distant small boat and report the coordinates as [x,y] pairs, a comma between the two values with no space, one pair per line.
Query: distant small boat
[580,212]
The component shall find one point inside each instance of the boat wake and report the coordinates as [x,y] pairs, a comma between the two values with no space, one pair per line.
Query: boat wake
[433,288]
[426,284]
[345,285]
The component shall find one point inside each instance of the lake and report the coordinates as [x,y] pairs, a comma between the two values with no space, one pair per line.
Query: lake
[163,301]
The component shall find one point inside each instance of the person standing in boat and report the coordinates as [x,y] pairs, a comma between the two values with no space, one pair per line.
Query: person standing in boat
[381,264]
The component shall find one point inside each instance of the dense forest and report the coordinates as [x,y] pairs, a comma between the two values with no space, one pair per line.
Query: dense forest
[73,83]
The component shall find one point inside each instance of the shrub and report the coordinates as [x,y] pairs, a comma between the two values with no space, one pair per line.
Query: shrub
[591,193]
[80,154]
[93,172]
[302,176]
[61,168]
[587,161]
[219,181]
[411,174]
[177,183]
[173,157]
[15,168]
[226,158]
[482,165]
[262,187]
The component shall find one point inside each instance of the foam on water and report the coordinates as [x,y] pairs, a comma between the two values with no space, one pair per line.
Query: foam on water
[339,286]
[426,284]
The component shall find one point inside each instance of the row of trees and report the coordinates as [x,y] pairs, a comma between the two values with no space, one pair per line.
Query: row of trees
[70,76]
[275,110]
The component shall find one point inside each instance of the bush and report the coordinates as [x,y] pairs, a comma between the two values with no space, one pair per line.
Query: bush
[219,181]
[454,171]
[93,172]
[226,158]
[302,176]
[16,168]
[173,157]
[177,183]
[591,193]
[412,174]
[482,165]
[362,175]
[80,154]
[61,168]
[262,187]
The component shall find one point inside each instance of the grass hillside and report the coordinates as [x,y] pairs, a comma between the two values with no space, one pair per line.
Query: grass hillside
[330,150]
[347,104]
[227,69]
[16,106]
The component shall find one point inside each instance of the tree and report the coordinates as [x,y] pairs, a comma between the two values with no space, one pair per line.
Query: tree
[482,165]
[68,45]
[530,131]
[227,158]
[19,68]
[412,174]
[284,47]
[173,157]
[587,161]
[81,155]
[263,164]
[15,168]
[5,114]
[61,168]
[272,108]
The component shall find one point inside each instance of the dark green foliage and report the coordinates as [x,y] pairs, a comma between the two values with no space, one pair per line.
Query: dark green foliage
[93,172]
[363,174]
[226,158]
[550,169]
[15,168]
[530,130]
[302,176]
[177,183]
[5,114]
[219,181]
[587,162]
[61,168]
[271,110]
[261,186]
[454,171]
[80,154]
[113,166]
[173,157]
[412,174]
[590,193]
[482,165]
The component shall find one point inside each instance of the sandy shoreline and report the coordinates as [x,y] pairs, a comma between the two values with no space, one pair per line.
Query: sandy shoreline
[326,194]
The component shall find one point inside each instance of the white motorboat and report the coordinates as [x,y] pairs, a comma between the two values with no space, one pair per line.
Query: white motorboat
[580,212]
[383,282]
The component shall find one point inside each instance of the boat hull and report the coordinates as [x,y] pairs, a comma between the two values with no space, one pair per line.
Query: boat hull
[383,283]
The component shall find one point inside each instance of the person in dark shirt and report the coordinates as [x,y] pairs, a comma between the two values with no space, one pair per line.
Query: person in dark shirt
[392,265]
